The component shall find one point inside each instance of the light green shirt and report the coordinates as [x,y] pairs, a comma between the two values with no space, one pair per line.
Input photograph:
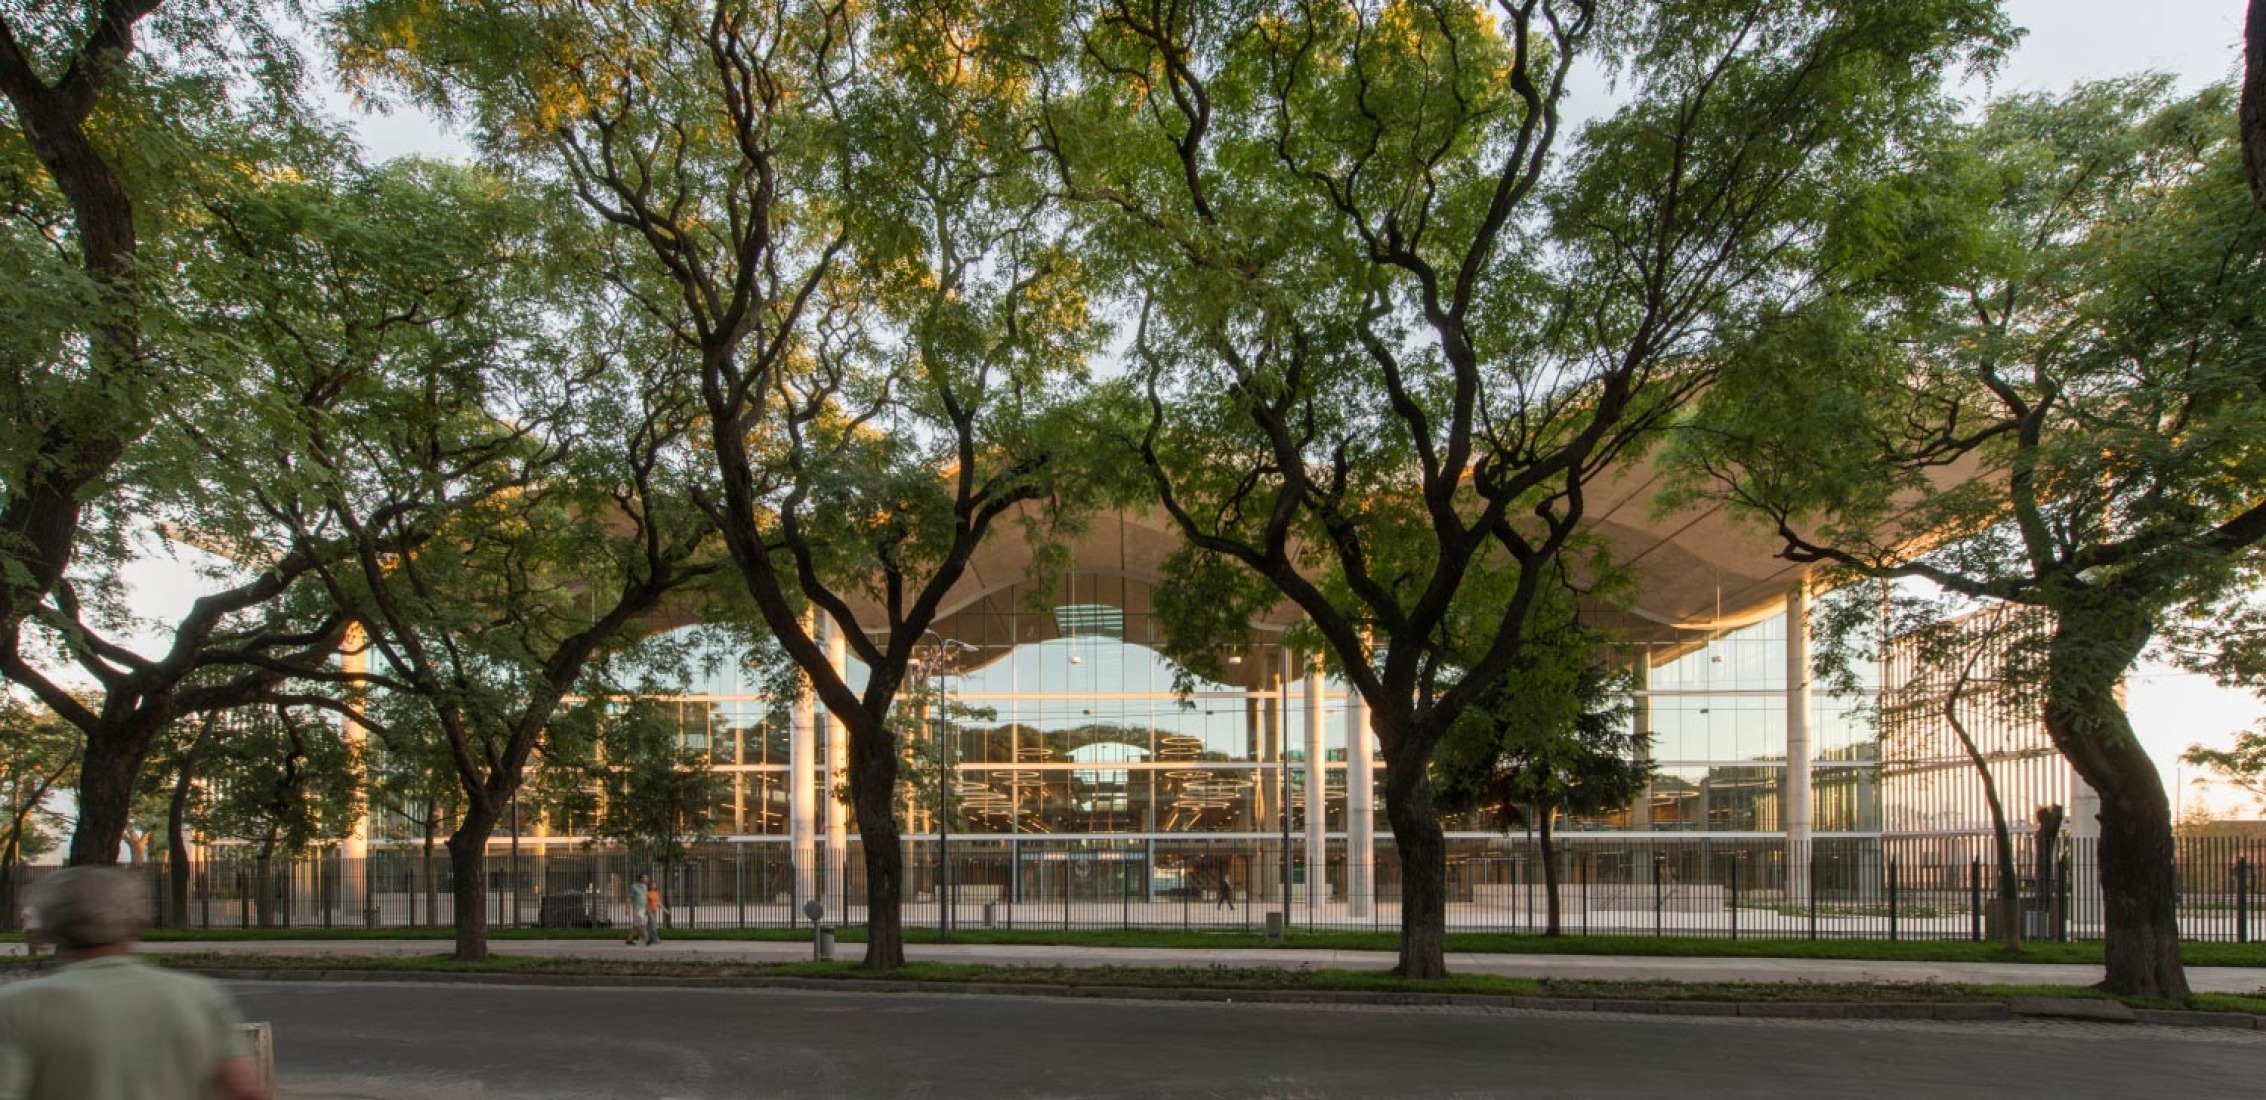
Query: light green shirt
[115,1028]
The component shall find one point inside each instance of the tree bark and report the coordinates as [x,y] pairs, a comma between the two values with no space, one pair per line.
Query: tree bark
[2002,834]
[177,827]
[263,887]
[113,759]
[875,804]
[2092,645]
[468,861]
[1424,868]
[1544,815]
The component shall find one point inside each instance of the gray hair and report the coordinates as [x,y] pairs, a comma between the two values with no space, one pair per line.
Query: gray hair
[83,907]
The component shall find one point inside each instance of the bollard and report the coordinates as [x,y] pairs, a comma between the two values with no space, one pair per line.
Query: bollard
[259,1040]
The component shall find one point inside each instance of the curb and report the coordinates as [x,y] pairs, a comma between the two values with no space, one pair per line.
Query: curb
[2032,1008]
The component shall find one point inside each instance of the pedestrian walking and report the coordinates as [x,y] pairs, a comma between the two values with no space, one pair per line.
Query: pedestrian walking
[1227,893]
[652,913]
[108,1026]
[638,893]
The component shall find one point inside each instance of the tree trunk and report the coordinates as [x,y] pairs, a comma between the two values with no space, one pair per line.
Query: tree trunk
[1424,869]
[874,801]
[2002,835]
[468,861]
[2009,890]
[2092,646]
[432,887]
[106,796]
[263,887]
[177,840]
[1544,815]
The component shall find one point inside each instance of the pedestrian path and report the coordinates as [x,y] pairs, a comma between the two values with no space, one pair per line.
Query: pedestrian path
[2204,979]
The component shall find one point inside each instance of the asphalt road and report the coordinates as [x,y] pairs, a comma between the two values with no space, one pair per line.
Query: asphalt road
[444,1042]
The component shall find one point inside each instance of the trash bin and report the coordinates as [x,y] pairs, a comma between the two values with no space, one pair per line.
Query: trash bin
[823,943]
[991,914]
[1274,927]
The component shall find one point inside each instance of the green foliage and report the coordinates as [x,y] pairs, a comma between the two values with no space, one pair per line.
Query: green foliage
[2242,765]
[1553,737]
[637,783]
[2053,394]
[38,752]
[283,783]
[2054,386]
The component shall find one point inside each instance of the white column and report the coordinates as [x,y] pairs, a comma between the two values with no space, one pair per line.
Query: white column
[1317,808]
[2082,827]
[802,794]
[1796,803]
[1640,718]
[837,769]
[354,660]
[1360,809]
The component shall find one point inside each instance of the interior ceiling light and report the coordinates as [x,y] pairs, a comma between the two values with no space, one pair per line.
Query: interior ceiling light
[1089,620]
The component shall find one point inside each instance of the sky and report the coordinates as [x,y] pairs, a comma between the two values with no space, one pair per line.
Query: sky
[2197,41]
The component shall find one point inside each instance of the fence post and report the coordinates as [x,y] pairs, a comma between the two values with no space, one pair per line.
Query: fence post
[2242,900]
[1892,901]
[1656,894]
[1813,873]
[1975,899]
[1734,897]
[1584,864]
[2069,897]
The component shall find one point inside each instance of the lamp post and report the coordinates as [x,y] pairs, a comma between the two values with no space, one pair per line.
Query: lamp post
[945,650]
[1282,764]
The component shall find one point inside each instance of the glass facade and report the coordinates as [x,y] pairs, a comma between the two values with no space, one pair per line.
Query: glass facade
[1065,721]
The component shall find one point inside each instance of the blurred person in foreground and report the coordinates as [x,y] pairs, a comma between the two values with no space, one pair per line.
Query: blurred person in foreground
[108,1026]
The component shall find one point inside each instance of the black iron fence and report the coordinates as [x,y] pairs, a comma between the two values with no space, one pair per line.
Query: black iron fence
[1922,888]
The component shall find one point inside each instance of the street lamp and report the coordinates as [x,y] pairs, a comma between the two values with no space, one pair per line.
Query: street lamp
[940,657]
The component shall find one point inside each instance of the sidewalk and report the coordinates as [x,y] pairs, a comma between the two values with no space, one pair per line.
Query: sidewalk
[2204,979]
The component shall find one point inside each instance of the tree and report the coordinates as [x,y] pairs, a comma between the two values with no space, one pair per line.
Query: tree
[654,796]
[282,782]
[833,215]
[2057,404]
[538,474]
[2241,765]
[112,161]
[412,779]
[1963,668]
[37,752]
[1554,737]
[1391,332]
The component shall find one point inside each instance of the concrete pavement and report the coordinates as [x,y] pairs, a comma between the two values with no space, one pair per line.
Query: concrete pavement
[1591,967]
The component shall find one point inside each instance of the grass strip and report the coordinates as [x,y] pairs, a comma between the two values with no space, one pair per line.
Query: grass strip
[1216,978]
[1880,950]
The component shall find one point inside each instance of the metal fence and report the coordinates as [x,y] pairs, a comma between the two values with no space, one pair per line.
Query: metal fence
[1920,888]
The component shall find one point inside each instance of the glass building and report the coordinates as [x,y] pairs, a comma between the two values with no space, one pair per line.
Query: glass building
[1076,764]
